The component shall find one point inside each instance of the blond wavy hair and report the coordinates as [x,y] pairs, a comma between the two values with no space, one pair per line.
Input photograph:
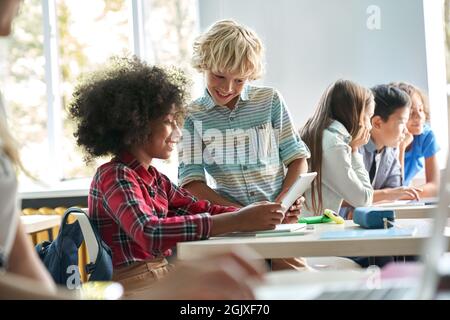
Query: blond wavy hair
[228,46]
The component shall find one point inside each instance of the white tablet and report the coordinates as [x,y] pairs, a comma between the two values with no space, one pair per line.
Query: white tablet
[297,189]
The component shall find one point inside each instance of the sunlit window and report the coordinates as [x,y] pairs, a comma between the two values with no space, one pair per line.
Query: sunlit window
[22,81]
[170,27]
[87,33]
[86,39]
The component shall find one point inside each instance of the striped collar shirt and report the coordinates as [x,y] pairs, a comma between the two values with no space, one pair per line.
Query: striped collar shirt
[241,153]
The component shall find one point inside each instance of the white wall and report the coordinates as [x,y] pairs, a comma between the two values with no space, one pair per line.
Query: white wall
[437,77]
[311,43]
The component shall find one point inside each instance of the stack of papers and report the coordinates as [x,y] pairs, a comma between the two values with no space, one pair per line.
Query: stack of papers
[280,230]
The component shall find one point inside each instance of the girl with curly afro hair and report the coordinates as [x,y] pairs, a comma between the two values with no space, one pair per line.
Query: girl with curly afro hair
[130,111]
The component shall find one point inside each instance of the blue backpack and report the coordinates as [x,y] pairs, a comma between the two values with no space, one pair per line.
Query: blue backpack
[61,255]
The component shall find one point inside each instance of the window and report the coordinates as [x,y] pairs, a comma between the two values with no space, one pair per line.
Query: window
[434,13]
[170,28]
[22,81]
[86,35]
[86,38]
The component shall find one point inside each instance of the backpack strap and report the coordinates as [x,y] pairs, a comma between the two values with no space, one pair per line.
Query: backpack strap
[100,267]
[90,236]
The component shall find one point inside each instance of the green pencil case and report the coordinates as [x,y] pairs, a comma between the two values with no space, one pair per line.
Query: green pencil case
[314,220]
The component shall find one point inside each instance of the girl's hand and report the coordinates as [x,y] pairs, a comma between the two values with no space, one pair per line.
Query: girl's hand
[407,140]
[293,214]
[260,216]
[362,137]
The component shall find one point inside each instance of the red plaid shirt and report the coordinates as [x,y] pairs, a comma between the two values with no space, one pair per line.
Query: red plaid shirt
[141,214]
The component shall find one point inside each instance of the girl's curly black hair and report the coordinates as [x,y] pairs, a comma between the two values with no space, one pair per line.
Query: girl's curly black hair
[114,105]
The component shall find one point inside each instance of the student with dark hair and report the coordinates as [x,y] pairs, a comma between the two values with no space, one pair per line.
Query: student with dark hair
[131,111]
[392,107]
[380,154]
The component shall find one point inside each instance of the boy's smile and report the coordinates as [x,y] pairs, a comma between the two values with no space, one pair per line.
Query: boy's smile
[225,87]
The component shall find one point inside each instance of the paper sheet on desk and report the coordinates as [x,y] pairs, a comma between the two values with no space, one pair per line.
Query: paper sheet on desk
[280,229]
[370,233]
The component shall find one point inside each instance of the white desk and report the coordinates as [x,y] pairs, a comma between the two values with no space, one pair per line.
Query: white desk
[37,223]
[413,212]
[310,244]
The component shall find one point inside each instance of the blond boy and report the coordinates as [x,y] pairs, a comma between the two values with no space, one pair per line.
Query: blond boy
[239,134]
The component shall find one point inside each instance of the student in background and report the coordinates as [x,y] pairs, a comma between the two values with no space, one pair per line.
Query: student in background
[130,111]
[419,149]
[338,128]
[23,276]
[245,135]
[392,109]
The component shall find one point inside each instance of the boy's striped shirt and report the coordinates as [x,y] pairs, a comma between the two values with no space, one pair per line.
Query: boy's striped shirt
[245,150]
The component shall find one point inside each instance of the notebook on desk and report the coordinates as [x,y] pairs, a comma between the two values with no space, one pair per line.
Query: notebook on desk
[281,229]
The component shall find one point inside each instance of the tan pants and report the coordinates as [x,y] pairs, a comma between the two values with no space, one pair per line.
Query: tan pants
[140,276]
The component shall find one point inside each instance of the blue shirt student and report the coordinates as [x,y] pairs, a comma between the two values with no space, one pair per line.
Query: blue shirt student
[422,147]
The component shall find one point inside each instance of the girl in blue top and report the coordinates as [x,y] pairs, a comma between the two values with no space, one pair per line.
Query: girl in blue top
[419,148]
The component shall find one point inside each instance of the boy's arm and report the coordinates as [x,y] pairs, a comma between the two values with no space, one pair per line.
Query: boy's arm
[293,151]
[291,147]
[224,219]
[201,191]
